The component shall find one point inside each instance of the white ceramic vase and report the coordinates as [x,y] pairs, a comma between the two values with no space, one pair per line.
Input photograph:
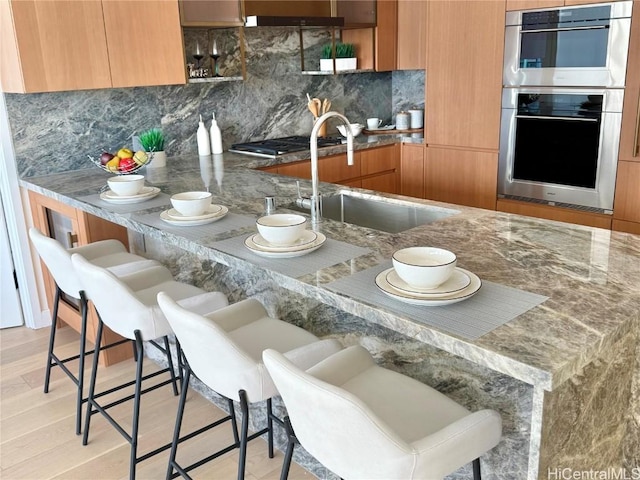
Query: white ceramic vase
[158,159]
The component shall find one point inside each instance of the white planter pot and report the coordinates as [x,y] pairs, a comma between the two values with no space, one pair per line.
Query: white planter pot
[158,159]
[326,64]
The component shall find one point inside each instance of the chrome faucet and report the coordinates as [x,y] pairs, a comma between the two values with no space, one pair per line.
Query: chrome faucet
[316,218]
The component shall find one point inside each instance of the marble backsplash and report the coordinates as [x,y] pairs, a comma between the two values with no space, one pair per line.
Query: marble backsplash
[54,132]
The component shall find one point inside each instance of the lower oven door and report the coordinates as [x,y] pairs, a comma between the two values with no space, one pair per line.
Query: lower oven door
[560,146]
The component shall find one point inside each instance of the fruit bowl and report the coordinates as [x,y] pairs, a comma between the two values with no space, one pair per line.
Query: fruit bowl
[122,162]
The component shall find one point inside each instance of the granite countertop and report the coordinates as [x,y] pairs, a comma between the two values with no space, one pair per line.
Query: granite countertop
[590,275]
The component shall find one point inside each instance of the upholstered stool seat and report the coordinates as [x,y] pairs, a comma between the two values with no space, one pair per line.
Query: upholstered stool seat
[127,306]
[224,350]
[363,421]
[110,254]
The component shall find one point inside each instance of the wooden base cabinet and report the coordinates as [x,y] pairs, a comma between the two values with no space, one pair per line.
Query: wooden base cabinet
[462,177]
[559,214]
[626,207]
[412,170]
[75,228]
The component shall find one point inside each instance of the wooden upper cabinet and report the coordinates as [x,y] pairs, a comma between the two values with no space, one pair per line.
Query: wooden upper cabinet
[630,133]
[412,35]
[49,46]
[145,42]
[465,43]
[210,13]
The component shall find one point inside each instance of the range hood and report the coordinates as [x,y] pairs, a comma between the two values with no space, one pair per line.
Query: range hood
[292,13]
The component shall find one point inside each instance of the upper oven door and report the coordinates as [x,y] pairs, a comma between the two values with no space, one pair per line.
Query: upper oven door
[568,47]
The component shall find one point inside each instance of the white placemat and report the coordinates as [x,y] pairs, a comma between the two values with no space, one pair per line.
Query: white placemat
[229,223]
[493,305]
[161,200]
[331,253]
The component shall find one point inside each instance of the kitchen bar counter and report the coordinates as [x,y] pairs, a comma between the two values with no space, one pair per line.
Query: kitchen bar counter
[551,372]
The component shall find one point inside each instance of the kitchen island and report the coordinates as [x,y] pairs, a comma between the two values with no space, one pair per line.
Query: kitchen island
[565,375]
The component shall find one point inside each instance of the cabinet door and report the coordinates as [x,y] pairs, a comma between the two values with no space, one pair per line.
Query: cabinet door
[145,42]
[206,13]
[412,35]
[627,200]
[412,170]
[58,45]
[298,169]
[465,43]
[335,169]
[386,182]
[462,177]
[630,133]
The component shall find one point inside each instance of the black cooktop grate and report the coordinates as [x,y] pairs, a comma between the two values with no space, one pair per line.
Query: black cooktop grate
[280,146]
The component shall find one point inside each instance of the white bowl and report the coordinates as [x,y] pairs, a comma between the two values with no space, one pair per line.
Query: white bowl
[424,267]
[191,204]
[126,185]
[356,128]
[281,228]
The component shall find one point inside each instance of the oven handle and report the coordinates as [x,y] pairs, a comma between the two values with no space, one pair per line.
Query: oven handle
[565,29]
[572,119]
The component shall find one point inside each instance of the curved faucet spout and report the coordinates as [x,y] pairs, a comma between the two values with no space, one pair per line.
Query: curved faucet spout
[315,197]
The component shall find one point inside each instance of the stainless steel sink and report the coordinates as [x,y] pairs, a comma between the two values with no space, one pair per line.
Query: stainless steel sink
[379,213]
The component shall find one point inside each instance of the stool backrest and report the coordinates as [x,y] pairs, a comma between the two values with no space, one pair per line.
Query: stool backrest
[58,262]
[332,424]
[119,307]
[213,356]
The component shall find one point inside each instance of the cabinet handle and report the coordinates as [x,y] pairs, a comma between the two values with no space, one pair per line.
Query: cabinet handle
[72,238]
[636,145]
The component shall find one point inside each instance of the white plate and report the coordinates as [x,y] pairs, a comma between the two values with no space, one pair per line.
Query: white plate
[388,289]
[309,236]
[456,282]
[316,244]
[212,211]
[385,127]
[147,193]
[192,223]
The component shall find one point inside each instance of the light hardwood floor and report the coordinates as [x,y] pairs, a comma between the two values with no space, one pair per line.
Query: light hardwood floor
[37,439]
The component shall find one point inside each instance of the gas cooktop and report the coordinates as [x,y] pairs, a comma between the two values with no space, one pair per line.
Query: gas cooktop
[280,146]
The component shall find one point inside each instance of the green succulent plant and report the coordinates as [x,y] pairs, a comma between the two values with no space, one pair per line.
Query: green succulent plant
[152,140]
[343,50]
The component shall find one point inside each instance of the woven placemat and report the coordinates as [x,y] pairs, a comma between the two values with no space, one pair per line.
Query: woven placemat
[229,223]
[493,305]
[331,253]
[161,200]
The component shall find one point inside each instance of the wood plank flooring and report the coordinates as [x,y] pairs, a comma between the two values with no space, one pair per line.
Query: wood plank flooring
[37,430]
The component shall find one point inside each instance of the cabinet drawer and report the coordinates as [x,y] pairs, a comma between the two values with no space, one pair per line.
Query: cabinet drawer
[377,160]
[335,169]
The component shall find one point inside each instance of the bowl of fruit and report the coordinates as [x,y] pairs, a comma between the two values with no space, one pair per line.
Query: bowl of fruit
[122,162]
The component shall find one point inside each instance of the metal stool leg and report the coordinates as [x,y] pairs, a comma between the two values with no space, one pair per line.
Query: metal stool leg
[136,405]
[476,469]
[170,362]
[270,427]
[179,415]
[291,439]
[244,406]
[83,348]
[92,383]
[52,339]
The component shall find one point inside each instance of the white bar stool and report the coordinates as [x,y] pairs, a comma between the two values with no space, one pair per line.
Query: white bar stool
[128,306]
[110,254]
[364,421]
[224,350]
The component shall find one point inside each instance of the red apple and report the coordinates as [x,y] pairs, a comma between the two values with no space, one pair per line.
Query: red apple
[105,157]
[127,164]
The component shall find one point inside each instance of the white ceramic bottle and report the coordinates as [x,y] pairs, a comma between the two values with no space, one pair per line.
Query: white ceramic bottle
[216,136]
[204,146]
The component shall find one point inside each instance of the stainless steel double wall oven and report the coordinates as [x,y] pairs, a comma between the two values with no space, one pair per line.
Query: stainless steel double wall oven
[564,74]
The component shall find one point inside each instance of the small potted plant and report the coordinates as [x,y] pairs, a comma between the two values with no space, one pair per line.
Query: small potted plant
[153,142]
[345,57]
